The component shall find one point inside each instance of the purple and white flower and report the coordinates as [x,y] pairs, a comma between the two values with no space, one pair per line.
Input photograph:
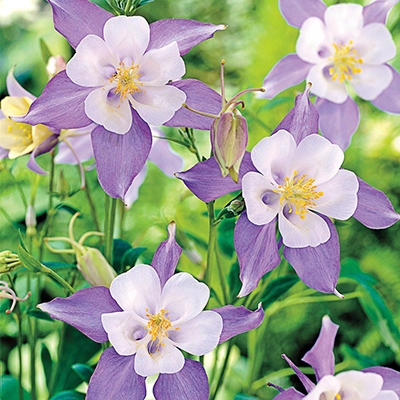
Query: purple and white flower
[340,45]
[148,314]
[293,178]
[375,383]
[124,75]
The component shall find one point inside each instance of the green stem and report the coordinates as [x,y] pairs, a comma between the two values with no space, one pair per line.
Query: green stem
[128,6]
[18,316]
[111,205]
[57,278]
[54,371]
[91,204]
[32,346]
[211,243]
[222,279]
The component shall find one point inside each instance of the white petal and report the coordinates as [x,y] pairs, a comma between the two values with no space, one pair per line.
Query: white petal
[340,196]
[200,335]
[297,232]
[375,44]
[323,86]
[386,395]
[360,385]
[318,158]
[372,81]
[105,108]
[344,22]
[313,45]
[125,331]
[272,156]
[184,297]
[262,204]
[167,360]
[328,387]
[159,66]
[158,104]
[128,37]
[138,290]
[92,64]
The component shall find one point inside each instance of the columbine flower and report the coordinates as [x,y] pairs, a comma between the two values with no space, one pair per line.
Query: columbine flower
[119,79]
[279,180]
[339,45]
[16,138]
[148,314]
[375,383]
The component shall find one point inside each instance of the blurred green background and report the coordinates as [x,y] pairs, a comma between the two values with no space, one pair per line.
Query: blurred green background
[256,38]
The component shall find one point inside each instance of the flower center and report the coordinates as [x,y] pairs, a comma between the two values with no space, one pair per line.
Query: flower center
[23,132]
[127,79]
[158,327]
[346,62]
[338,397]
[299,193]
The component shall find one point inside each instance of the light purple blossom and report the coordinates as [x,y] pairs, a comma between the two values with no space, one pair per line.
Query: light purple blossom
[148,314]
[375,383]
[119,79]
[312,248]
[339,45]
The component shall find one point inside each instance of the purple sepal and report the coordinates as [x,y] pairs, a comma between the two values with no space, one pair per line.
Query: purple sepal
[302,119]
[296,12]
[377,11]
[257,251]
[290,394]
[77,19]
[119,158]
[389,99]
[307,383]
[374,209]
[60,106]
[287,72]
[83,311]
[167,256]
[115,378]
[185,32]
[338,122]
[237,320]
[199,97]
[206,182]
[189,383]
[15,89]
[321,356]
[3,153]
[44,147]
[391,378]
[318,267]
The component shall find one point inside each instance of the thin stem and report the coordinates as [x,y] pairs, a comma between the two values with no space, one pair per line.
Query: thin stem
[32,346]
[111,206]
[211,243]
[91,203]
[58,278]
[54,371]
[18,316]
[221,273]
[222,78]
[127,6]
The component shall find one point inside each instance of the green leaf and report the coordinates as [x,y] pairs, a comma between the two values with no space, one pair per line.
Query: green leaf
[241,396]
[46,362]
[46,54]
[29,261]
[233,280]
[277,288]
[9,388]
[36,313]
[350,268]
[225,236]
[68,395]
[69,209]
[124,255]
[84,371]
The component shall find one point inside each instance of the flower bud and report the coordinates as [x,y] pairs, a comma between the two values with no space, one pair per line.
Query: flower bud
[30,220]
[229,136]
[8,261]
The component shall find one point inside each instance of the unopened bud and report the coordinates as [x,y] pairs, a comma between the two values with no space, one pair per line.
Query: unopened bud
[55,64]
[8,261]
[30,220]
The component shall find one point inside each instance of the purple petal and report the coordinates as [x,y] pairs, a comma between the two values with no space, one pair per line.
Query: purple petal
[237,320]
[307,383]
[391,378]
[290,394]
[81,144]
[115,378]
[389,99]
[374,209]
[321,356]
[206,182]
[83,311]
[377,11]
[318,267]
[44,147]
[257,251]
[167,256]
[60,106]
[287,72]
[185,32]
[338,122]
[77,19]
[302,119]
[296,12]
[119,158]
[15,89]
[3,153]
[189,383]
[199,97]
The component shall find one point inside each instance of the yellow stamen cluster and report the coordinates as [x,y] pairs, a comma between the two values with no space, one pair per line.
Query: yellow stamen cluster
[298,193]
[23,132]
[338,397]
[127,79]
[345,62]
